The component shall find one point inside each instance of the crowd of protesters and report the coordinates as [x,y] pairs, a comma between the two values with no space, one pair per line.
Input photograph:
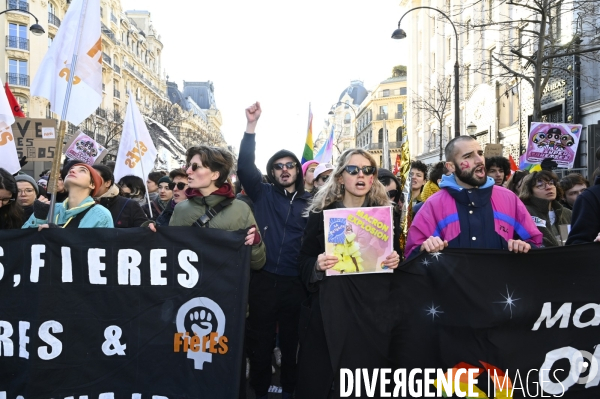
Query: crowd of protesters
[478,201]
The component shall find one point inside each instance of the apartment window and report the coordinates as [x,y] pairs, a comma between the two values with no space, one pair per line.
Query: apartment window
[380,136]
[383,110]
[403,91]
[399,111]
[23,103]
[51,8]
[17,36]
[468,32]
[347,118]
[490,65]
[386,93]
[17,72]
[399,134]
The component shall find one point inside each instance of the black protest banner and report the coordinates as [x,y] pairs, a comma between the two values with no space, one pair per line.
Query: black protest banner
[122,313]
[525,325]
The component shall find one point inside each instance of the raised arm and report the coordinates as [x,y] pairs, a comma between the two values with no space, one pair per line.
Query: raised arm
[249,174]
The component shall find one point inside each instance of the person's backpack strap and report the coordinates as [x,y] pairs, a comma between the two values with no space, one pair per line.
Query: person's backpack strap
[212,212]
[121,211]
[74,223]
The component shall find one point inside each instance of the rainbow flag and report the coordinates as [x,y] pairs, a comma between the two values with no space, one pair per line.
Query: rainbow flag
[531,167]
[307,155]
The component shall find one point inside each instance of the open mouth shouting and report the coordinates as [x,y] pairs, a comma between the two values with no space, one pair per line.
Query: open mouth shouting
[479,172]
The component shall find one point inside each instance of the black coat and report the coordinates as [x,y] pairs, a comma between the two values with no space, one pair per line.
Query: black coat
[585,220]
[125,211]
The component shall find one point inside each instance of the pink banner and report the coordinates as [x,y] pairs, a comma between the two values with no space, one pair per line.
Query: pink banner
[558,141]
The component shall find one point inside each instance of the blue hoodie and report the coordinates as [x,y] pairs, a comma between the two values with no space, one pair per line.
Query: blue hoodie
[278,212]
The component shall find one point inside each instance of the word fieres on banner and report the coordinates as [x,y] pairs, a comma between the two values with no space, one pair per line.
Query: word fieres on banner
[128,263]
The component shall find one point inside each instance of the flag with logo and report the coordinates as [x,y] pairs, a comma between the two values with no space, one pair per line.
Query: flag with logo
[307,155]
[137,152]
[325,154]
[14,104]
[9,159]
[77,50]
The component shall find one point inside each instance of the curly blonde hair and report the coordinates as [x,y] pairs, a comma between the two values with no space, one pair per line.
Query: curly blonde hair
[332,191]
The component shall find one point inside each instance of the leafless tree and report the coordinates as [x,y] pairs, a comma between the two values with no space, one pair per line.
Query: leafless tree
[436,103]
[533,36]
[105,126]
[168,114]
[209,137]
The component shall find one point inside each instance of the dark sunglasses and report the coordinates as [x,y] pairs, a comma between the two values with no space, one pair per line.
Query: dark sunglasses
[353,170]
[180,185]
[392,194]
[324,178]
[194,166]
[288,165]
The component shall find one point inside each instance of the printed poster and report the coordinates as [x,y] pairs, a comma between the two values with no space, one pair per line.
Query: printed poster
[85,148]
[361,238]
[558,141]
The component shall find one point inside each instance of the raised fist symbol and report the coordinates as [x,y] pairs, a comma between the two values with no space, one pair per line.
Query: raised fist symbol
[201,321]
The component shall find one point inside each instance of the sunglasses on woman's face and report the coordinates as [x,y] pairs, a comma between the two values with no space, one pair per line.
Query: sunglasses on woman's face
[324,178]
[194,166]
[392,194]
[180,185]
[353,170]
[288,165]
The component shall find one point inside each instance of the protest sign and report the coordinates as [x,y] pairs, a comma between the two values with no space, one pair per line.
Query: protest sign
[558,141]
[116,313]
[84,148]
[361,238]
[492,150]
[35,138]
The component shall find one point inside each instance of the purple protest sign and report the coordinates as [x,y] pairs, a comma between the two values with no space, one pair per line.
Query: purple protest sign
[558,141]
[82,147]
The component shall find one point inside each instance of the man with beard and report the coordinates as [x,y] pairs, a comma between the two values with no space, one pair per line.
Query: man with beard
[470,211]
[275,291]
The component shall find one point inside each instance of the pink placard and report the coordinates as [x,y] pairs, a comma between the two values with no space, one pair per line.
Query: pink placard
[558,141]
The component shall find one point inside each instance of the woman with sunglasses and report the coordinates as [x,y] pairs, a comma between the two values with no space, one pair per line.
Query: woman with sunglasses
[176,185]
[11,213]
[539,193]
[352,184]
[208,170]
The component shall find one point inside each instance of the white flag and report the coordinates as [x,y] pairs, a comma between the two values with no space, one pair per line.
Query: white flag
[133,159]
[9,159]
[79,33]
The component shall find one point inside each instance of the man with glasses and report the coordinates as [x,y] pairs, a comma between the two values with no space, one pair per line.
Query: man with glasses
[275,291]
[322,173]
[470,211]
[178,186]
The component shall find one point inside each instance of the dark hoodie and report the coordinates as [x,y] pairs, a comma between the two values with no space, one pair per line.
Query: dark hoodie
[278,212]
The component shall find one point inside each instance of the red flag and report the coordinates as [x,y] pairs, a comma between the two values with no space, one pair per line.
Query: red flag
[14,104]
[513,165]
[397,165]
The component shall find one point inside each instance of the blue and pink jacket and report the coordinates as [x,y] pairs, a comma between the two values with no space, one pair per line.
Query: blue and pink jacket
[439,216]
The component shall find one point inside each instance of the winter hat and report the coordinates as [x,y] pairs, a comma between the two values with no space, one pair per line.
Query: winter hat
[96,178]
[306,165]
[323,167]
[29,180]
[164,179]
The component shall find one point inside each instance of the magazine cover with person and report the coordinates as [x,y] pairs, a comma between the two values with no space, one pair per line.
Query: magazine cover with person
[361,238]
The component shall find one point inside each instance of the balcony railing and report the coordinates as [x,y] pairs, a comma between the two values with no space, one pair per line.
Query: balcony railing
[381,117]
[17,42]
[116,93]
[113,18]
[17,79]
[101,112]
[107,58]
[17,5]
[399,115]
[117,69]
[379,146]
[53,19]
[109,33]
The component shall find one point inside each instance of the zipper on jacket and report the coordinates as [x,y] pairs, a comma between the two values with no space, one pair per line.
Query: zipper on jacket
[265,233]
[284,228]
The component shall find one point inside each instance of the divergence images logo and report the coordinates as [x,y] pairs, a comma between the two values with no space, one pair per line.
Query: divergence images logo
[200,327]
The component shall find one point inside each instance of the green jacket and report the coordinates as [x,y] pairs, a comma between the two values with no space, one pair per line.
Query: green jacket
[233,217]
[538,209]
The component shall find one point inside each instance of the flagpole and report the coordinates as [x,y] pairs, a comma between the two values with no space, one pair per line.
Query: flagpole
[137,142]
[52,184]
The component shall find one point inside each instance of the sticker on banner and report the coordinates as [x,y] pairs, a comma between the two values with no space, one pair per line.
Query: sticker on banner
[48,133]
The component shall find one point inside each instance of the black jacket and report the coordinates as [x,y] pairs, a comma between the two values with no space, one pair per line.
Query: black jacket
[585,220]
[125,212]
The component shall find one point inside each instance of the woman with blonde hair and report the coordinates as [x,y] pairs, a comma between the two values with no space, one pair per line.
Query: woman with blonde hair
[352,184]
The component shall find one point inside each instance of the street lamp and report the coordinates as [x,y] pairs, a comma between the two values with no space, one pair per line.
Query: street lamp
[471,129]
[401,34]
[36,28]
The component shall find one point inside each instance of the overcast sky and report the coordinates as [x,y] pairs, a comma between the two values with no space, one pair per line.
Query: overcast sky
[281,53]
